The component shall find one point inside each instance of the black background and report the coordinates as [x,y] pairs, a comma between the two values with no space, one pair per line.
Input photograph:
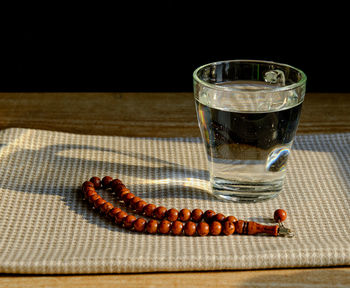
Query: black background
[156,46]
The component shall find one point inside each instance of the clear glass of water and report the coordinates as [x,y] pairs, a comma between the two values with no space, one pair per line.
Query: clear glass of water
[248,113]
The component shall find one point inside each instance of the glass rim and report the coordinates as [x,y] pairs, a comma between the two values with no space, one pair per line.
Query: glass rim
[301,82]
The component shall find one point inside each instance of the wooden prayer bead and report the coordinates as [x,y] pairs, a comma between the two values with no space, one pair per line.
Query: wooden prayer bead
[185,215]
[149,209]
[87,184]
[241,227]
[172,214]
[190,228]
[203,229]
[88,192]
[140,224]
[215,228]
[176,227]
[197,215]
[208,215]
[159,212]
[123,192]
[114,184]
[228,227]
[129,221]
[96,181]
[231,219]
[94,198]
[134,201]
[106,207]
[113,212]
[106,181]
[164,227]
[118,189]
[127,198]
[99,202]
[280,215]
[219,217]
[140,206]
[152,226]
[118,219]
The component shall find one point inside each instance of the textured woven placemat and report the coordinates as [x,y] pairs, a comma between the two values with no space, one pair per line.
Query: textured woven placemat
[47,228]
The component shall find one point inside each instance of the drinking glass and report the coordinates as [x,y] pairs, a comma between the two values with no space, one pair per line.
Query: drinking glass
[248,113]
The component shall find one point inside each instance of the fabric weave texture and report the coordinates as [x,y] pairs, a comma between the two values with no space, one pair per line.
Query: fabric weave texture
[46,227]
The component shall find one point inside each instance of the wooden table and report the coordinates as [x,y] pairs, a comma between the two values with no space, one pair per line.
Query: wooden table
[161,115]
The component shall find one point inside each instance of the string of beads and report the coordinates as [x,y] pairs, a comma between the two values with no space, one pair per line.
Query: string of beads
[168,221]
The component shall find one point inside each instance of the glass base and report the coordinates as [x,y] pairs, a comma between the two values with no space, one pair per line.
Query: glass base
[245,191]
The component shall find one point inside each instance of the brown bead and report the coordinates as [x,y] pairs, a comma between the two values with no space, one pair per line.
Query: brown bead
[129,221]
[185,215]
[106,207]
[127,198]
[96,181]
[113,212]
[215,228]
[159,212]
[123,192]
[118,189]
[87,184]
[118,219]
[231,219]
[134,201]
[190,228]
[149,209]
[241,227]
[152,226]
[140,206]
[219,217]
[203,229]
[114,184]
[197,215]
[228,227]
[172,214]
[106,181]
[209,215]
[176,227]
[164,227]
[88,192]
[280,215]
[94,198]
[140,224]
[99,202]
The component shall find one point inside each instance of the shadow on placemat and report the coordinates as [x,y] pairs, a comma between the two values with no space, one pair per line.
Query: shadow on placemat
[47,163]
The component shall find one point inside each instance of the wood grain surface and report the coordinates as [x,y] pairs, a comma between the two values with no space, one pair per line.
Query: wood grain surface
[145,114]
[310,278]
[161,115]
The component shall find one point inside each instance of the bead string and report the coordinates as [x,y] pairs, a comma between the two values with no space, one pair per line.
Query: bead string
[170,221]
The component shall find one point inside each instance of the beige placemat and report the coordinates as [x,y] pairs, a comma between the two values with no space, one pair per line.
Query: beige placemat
[47,228]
